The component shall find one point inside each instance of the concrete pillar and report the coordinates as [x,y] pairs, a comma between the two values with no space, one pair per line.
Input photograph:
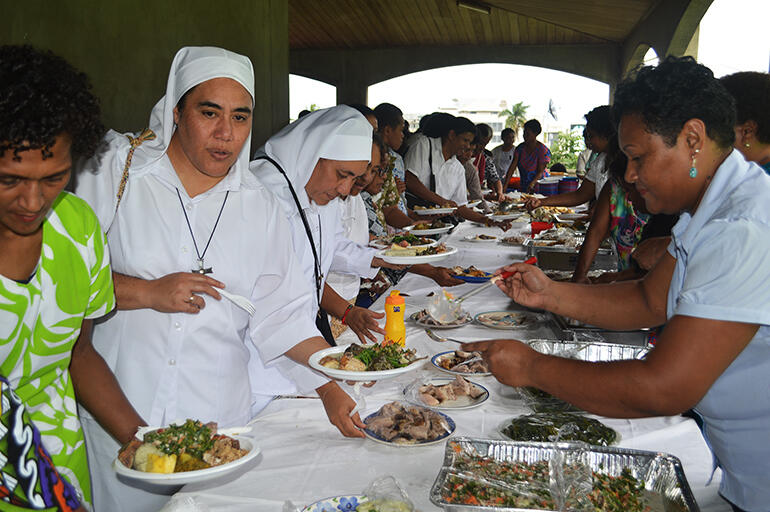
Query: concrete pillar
[126,48]
[352,81]
[352,91]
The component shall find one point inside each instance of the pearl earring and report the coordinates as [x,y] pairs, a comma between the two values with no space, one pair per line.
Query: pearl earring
[693,169]
[747,145]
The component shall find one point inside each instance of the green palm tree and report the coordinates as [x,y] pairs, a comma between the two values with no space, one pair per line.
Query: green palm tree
[515,117]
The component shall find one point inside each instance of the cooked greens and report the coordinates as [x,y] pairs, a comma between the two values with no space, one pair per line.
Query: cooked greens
[560,426]
[382,357]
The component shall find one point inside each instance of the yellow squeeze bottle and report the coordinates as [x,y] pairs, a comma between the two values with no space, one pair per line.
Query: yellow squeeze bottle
[395,330]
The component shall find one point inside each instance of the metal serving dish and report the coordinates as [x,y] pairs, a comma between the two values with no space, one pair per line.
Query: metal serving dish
[662,474]
[593,352]
[561,257]
[593,334]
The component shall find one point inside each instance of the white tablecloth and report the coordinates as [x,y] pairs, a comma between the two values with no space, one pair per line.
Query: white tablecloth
[304,458]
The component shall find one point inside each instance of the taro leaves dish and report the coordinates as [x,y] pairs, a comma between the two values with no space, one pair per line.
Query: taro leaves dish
[559,426]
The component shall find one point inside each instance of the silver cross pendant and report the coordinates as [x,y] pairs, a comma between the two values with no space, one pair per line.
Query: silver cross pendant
[201,269]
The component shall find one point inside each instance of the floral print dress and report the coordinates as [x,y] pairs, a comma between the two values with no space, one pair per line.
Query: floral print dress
[626,225]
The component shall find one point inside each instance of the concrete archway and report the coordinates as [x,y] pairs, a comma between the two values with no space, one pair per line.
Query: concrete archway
[353,71]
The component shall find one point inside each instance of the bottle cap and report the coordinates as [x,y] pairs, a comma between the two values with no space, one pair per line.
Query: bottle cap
[395,298]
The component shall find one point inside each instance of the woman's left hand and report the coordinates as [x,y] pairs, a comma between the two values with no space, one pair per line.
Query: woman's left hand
[338,405]
[362,321]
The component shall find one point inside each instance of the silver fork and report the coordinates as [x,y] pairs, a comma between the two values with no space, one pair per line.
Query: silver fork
[240,301]
[435,337]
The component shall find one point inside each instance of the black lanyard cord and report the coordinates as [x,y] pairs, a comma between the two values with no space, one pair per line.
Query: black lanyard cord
[316,259]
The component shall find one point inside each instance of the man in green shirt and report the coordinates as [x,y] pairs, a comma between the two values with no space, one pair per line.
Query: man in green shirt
[55,274]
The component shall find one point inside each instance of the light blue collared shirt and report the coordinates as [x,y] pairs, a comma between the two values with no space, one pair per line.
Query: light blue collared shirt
[722,273]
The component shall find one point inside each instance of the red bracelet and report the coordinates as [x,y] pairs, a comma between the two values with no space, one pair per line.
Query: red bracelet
[347,310]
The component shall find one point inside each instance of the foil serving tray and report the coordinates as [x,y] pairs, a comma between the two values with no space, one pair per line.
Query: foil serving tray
[662,474]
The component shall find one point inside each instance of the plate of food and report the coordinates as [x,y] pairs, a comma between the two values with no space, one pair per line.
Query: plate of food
[423,319]
[505,216]
[571,217]
[546,427]
[459,362]
[548,213]
[507,319]
[447,393]
[429,228]
[514,240]
[183,454]
[434,210]
[481,238]
[471,274]
[402,240]
[473,203]
[366,362]
[410,255]
[399,424]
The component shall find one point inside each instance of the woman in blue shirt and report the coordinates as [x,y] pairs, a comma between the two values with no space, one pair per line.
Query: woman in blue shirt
[676,127]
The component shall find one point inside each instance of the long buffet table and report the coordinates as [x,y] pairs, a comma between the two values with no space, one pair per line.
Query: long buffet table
[304,459]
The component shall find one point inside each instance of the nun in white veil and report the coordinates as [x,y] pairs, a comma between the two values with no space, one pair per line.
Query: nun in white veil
[307,166]
[179,350]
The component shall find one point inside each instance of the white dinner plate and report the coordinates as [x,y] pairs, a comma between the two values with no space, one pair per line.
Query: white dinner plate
[506,216]
[380,244]
[441,355]
[405,444]
[189,477]
[493,319]
[436,211]
[411,260]
[358,376]
[569,218]
[473,238]
[464,402]
[473,203]
[431,231]
[426,325]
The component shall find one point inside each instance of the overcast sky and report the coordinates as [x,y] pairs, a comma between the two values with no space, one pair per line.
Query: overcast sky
[733,37]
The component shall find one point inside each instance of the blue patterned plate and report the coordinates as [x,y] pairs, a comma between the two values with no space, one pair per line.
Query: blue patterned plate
[347,503]
[473,279]
[376,437]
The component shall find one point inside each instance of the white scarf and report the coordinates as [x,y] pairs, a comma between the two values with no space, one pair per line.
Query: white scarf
[336,133]
[192,65]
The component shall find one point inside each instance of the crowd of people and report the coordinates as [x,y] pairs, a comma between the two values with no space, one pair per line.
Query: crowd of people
[112,314]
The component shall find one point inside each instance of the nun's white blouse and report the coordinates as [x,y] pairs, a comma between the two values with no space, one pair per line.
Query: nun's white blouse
[179,365]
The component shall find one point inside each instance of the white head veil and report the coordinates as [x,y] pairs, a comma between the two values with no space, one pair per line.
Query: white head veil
[192,65]
[336,133]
